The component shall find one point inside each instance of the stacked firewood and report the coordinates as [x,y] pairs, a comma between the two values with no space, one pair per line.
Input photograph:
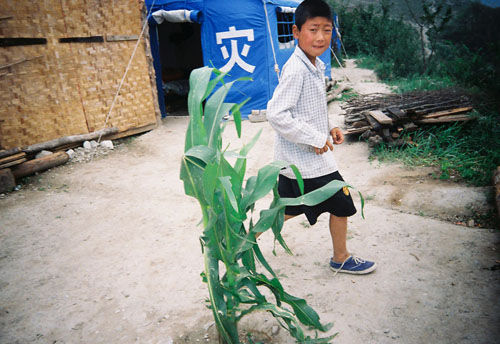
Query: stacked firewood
[19,162]
[383,117]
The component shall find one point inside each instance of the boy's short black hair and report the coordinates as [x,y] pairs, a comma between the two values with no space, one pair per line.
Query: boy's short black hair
[309,9]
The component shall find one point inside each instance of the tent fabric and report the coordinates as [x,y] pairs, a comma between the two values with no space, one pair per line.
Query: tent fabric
[235,39]
[176,16]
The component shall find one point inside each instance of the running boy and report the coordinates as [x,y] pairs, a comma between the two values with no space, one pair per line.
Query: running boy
[299,115]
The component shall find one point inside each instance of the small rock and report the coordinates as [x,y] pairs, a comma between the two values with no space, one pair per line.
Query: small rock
[275,330]
[374,140]
[470,223]
[43,153]
[78,326]
[71,153]
[93,144]
[87,145]
[108,144]
[387,331]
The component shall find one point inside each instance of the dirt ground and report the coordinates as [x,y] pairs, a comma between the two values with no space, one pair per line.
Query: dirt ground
[108,251]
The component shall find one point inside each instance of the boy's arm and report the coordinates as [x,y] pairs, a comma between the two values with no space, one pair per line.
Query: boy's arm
[285,98]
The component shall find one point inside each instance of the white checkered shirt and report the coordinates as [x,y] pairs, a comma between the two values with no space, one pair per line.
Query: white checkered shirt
[298,113]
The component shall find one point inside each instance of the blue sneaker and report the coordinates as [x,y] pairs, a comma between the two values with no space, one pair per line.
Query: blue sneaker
[353,265]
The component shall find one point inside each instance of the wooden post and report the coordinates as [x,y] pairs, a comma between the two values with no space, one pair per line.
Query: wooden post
[7,181]
[41,164]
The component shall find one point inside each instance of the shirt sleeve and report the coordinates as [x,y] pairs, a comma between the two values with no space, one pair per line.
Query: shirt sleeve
[279,113]
[331,125]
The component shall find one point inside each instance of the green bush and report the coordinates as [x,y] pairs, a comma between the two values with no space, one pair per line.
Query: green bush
[466,54]
[367,30]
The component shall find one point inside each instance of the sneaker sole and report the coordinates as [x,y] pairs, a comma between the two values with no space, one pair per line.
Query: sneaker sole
[362,272]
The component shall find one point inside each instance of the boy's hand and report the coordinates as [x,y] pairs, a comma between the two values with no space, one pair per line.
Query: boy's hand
[328,145]
[337,135]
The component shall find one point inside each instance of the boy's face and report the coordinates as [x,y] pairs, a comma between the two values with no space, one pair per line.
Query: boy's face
[314,36]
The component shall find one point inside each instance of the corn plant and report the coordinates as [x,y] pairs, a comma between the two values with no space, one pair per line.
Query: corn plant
[228,241]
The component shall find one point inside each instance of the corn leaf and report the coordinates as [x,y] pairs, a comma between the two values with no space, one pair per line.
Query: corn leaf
[226,184]
[235,110]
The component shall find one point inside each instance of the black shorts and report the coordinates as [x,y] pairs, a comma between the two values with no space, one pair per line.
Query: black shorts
[340,204]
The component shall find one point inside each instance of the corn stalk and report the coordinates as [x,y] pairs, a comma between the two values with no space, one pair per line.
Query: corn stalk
[226,202]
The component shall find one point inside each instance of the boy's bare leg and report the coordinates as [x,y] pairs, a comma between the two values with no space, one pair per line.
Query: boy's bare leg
[338,232]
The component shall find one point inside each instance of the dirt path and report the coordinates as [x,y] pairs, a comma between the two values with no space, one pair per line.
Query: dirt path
[108,252]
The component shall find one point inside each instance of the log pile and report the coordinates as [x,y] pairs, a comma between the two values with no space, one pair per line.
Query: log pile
[20,162]
[388,115]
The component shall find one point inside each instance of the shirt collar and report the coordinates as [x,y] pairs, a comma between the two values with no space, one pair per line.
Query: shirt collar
[320,66]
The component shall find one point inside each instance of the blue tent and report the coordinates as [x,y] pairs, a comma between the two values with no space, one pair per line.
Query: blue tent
[244,38]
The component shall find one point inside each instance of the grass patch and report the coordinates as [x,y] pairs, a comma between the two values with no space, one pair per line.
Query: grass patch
[348,94]
[420,83]
[468,150]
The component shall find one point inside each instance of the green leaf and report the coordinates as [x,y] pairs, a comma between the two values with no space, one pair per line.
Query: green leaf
[204,153]
[240,165]
[198,82]
[235,110]
[266,180]
[212,83]
[315,197]
[192,175]
[209,182]
[298,175]
[248,260]
[226,184]
[304,312]
[215,109]
[262,260]
[362,204]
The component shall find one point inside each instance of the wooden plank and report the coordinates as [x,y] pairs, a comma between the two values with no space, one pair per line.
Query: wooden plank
[13,163]
[7,181]
[41,164]
[8,152]
[357,130]
[69,139]
[374,124]
[360,124]
[452,118]
[12,158]
[132,131]
[380,117]
[448,112]
[118,38]
[397,112]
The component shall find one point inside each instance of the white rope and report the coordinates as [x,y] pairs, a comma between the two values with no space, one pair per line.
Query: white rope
[276,67]
[126,70]
[340,64]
